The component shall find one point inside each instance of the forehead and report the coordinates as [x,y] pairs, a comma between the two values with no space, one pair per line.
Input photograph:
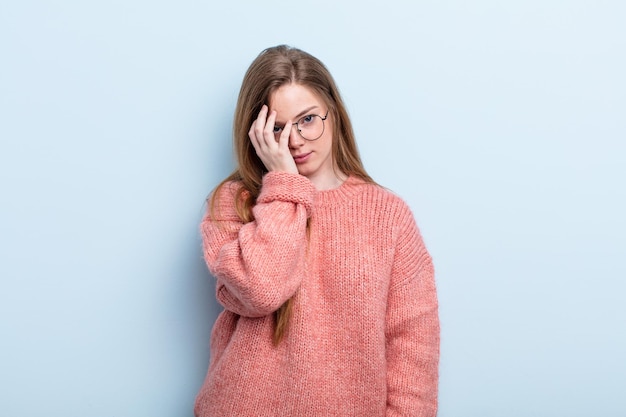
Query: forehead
[290,99]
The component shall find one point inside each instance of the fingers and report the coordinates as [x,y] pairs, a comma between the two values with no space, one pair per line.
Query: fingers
[268,131]
[273,151]
[261,132]
[283,140]
[256,130]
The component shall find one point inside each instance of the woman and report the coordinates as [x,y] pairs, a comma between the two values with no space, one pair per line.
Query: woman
[328,291]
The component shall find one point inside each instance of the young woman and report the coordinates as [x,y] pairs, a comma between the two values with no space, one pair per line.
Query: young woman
[328,291]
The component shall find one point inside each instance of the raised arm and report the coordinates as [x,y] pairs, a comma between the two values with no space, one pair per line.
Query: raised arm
[259,265]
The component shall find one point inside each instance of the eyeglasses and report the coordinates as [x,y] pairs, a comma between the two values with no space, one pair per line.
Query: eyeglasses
[310,127]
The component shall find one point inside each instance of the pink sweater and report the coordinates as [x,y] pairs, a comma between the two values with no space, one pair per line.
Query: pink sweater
[363,339]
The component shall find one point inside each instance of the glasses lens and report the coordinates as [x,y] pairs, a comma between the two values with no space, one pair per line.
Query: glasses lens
[311,127]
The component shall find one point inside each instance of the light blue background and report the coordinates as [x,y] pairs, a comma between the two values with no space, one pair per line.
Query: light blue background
[502,124]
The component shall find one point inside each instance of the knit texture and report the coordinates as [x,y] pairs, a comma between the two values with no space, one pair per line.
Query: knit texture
[363,339]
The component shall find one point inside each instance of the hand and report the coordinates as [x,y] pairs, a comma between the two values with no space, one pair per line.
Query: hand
[274,154]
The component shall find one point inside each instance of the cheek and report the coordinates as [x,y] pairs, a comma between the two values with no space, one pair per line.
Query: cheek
[330,132]
[326,144]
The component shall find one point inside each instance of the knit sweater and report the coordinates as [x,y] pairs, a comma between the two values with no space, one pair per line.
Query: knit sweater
[363,339]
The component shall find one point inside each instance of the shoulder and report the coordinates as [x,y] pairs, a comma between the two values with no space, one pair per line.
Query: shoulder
[382,200]
[227,192]
[223,200]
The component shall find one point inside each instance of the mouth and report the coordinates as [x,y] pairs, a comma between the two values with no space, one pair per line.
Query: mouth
[302,158]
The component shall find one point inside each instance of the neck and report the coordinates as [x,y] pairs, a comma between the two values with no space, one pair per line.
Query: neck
[329,182]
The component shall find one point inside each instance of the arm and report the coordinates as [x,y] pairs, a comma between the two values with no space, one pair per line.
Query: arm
[259,265]
[412,329]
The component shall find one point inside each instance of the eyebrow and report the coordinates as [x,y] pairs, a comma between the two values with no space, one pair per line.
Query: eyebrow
[299,115]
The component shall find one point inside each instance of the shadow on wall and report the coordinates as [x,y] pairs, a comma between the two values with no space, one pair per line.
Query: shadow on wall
[200,303]
[204,310]
[217,163]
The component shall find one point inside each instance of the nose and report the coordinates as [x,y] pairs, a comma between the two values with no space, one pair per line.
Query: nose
[295,140]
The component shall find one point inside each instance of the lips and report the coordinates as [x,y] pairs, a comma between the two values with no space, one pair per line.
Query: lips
[299,159]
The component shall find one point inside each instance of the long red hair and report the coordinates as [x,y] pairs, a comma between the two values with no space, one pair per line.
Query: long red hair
[273,68]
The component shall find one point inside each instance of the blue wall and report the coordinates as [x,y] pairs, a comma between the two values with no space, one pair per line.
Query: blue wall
[501,123]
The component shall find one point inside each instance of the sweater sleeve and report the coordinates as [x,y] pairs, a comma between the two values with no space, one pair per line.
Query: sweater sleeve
[259,265]
[412,329]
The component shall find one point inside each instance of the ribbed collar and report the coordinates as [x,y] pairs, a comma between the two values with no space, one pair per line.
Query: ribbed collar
[344,192]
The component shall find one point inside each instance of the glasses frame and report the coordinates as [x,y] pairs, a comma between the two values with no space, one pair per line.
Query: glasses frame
[323,125]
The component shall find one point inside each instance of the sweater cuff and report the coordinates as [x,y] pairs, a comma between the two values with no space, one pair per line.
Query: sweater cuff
[285,186]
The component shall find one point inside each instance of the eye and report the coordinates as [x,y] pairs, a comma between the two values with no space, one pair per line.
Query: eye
[307,119]
[277,129]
